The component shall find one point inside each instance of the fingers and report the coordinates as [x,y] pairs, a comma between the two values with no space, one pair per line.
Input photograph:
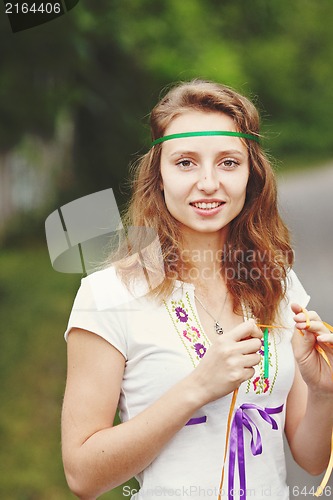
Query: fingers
[326,338]
[251,360]
[296,308]
[308,320]
[246,330]
[249,346]
[248,373]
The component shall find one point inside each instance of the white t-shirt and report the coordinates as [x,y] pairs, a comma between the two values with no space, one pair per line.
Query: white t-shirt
[161,345]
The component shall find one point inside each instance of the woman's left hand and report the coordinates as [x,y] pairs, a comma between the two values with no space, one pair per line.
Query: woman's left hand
[314,369]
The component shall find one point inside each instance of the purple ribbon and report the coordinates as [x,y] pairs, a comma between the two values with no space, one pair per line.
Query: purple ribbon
[241,419]
[197,420]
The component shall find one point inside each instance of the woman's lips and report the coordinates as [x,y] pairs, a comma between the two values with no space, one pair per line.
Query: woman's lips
[207,208]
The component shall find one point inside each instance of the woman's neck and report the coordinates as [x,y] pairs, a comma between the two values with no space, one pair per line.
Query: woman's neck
[201,258]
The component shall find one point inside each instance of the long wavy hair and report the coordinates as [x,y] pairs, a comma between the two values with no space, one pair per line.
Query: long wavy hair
[258,254]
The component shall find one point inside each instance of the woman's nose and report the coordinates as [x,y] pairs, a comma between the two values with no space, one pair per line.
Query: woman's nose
[208,180]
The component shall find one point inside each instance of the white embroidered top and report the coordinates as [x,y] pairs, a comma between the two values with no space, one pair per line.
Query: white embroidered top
[161,345]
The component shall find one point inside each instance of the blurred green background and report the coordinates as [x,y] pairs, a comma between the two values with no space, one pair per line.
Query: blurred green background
[74,98]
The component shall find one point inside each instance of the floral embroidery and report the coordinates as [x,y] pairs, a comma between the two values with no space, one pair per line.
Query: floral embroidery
[255,383]
[188,328]
[191,335]
[181,314]
[195,330]
[261,351]
[266,384]
[194,340]
[260,383]
[200,349]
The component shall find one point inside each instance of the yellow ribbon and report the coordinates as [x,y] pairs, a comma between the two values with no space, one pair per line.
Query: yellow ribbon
[232,407]
[231,411]
[321,351]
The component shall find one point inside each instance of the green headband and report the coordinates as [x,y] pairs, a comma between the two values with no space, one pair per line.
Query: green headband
[205,133]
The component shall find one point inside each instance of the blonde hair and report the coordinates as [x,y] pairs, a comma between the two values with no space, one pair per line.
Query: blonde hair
[258,230]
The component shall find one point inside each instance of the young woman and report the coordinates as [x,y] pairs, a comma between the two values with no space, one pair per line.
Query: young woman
[202,384]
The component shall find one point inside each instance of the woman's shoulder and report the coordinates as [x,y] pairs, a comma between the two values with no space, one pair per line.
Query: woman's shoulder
[110,291]
[102,277]
[295,291]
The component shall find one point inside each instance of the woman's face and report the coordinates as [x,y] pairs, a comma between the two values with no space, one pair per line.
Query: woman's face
[204,178]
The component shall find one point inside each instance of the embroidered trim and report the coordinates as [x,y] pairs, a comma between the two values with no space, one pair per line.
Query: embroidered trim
[181,338]
[193,338]
[188,328]
[259,383]
[276,364]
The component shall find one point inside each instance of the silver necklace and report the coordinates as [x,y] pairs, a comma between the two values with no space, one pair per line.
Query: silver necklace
[218,327]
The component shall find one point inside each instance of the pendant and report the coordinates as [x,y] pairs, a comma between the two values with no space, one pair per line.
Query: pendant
[218,328]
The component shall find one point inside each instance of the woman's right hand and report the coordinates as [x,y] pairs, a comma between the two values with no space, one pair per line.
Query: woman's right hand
[228,362]
[99,456]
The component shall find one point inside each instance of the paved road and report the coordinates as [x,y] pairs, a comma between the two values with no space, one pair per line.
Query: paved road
[306,204]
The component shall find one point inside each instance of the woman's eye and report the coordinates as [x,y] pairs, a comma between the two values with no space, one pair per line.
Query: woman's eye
[229,164]
[185,163]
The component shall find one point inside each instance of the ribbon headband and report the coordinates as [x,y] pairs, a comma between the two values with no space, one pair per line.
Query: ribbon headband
[205,133]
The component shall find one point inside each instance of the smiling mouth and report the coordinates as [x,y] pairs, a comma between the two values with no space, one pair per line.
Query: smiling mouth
[207,206]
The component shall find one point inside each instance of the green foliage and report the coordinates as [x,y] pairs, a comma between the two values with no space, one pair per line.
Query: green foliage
[285,52]
[35,66]
[105,63]
[177,40]
[35,302]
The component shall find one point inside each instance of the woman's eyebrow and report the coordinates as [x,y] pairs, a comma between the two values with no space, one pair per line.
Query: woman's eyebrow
[181,152]
[233,152]
[223,152]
